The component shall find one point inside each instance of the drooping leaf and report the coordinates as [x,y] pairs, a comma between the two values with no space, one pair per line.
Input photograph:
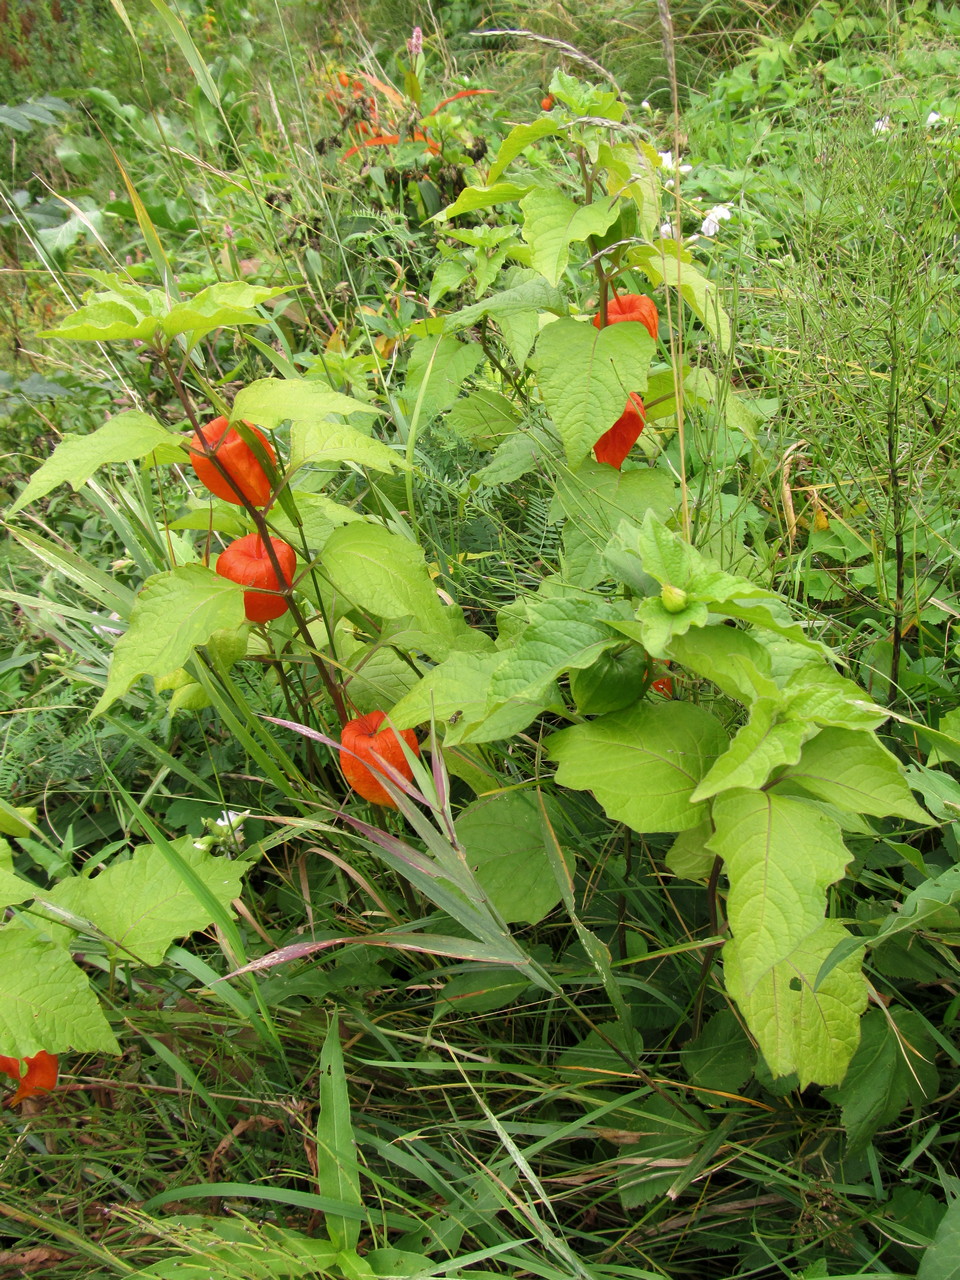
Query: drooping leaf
[564,635]
[124,438]
[855,771]
[304,402]
[780,856]
[503,839]
[386,575]
[765,743]
[141,905]
[798,1029]
[892,1067]
[517,140]
[174,612]
[643,763]
[552,222]
[46,1001]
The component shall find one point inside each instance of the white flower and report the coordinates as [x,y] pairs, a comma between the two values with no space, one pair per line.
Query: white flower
[645,105]
[933,118]
[229,818]
[667,232]
[882,125]
[668,162]
[109,631]
[711,223]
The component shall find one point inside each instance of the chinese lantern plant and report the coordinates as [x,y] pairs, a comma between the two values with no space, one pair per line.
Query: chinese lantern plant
[366,744]
[34,1075]
[229,466]
[247,561]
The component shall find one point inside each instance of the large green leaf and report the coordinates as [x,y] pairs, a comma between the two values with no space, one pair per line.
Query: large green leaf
[504,842]
[552,222]
[731,659]
[472,198]
[585,376]
[661,265]
[174,612]
[304,402]
[564,635]
[855,771]
[893,1066]
[325,442]
[780,856]
[763,744]
[812,1033]
[224,305]
[141,905]
[385,575]
[436,372]
[123,438]
[941,1261]
[517,140]
[642,763]
[46,1002]
[456,694]
[721,1056]
[106,322]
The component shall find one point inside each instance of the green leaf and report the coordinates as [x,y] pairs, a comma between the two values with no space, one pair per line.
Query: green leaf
[46,1002]
[777,897]
[530,295]
[563,635]
[483,418]
[763,744]
[517,140]
[661,266]
[798,1029]
[504,842]
[892,1067]
[220,306]
[552,222]
[597,497]
[643,763]
[318,517]
[721,1056]
[586,375]
[669,1136]
[105,322]
[481,991]
[472,198]
[270,401]
[855,771]
[173,613]
[689,856]
[142,904]
[436,372]
[123,438]
[941,1261]
[338,1169]
[385,574]
[13,888]
[324,442]
[729,658]
[823,696]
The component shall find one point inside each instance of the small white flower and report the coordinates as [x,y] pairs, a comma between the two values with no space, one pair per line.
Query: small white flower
[882,125]
[645,105]
[667,232]
[933,118]
[711,223]
[668,162]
